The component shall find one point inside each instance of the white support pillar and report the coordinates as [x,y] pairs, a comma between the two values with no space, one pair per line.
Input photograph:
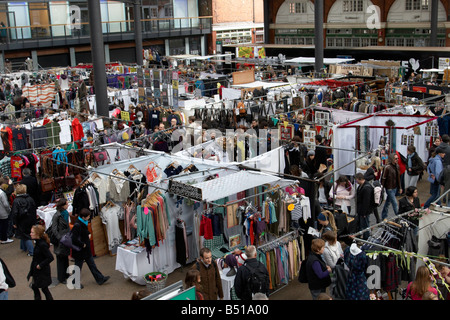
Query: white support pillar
[167,47]
[186,45]
[73,60]
[203,45]
[107,59]
[34,56]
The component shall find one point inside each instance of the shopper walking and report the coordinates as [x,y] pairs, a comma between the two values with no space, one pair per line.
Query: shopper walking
[434,170]
[317,272]
[60,226]
[5,211]
[414,167]
[23,213]
[40,272]
[209,274]
[81,238]
[390,180]
[32,185]
[364,203]
[343,192]
[331,254]
[252,277]
[373,176]
[409,202]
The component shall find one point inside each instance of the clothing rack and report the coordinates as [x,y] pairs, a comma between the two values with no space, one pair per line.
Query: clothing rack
[253,196]
[400,251]
[291,235]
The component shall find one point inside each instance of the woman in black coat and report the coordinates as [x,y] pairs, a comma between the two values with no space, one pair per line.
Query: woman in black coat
[40,265]
[409,202]
[60,226]
[81,238]
[23,212]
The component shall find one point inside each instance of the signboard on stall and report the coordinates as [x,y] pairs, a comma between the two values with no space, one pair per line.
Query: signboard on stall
[185,190]
[286,131]
[444,63]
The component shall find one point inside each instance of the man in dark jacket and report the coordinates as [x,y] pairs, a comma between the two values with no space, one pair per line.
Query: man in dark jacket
[321,152]
[364,202]
[23,214]
[32,185]
[209,276]
[391,182]
[81,238]
[245,284]
[445,146]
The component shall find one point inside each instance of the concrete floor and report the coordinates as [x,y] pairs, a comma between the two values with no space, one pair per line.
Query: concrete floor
[119,288]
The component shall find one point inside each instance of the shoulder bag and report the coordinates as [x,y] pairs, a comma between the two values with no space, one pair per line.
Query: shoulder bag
[66,240]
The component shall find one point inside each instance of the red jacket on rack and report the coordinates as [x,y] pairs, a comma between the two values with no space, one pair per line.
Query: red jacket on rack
[77,130]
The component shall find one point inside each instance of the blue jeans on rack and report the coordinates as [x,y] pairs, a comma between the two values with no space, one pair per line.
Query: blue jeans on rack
[390,198]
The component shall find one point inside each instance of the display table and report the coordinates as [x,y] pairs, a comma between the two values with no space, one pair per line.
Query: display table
[227,283]
[134,265]
[47,212]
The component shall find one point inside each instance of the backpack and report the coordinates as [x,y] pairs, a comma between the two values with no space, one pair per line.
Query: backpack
[23,207]
[257,279]
[302,276]
[441,178]
[378,193]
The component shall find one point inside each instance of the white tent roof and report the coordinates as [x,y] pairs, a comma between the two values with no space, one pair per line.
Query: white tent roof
[233,183]
[312,60]
[256,84]
[197,57]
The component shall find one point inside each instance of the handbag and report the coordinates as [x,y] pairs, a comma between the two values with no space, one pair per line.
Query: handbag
[101,156]
[341,275]
[59,182]
[48,184]
[66,240]
[70,180]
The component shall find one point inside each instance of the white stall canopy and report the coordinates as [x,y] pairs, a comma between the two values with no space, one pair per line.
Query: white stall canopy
[312,60]
[234,183]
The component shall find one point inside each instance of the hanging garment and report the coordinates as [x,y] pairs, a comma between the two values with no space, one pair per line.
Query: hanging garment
[77,130]
[6,134]
[53,130]
[181,245]
[39,136]
[19,137]
[356,283]
[110,217]
[65,135]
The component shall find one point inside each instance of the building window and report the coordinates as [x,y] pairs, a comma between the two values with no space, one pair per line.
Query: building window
[417,5]
[352,6]
[297,7]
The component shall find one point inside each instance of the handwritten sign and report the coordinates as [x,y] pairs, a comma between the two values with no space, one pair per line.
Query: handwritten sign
[185,190]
